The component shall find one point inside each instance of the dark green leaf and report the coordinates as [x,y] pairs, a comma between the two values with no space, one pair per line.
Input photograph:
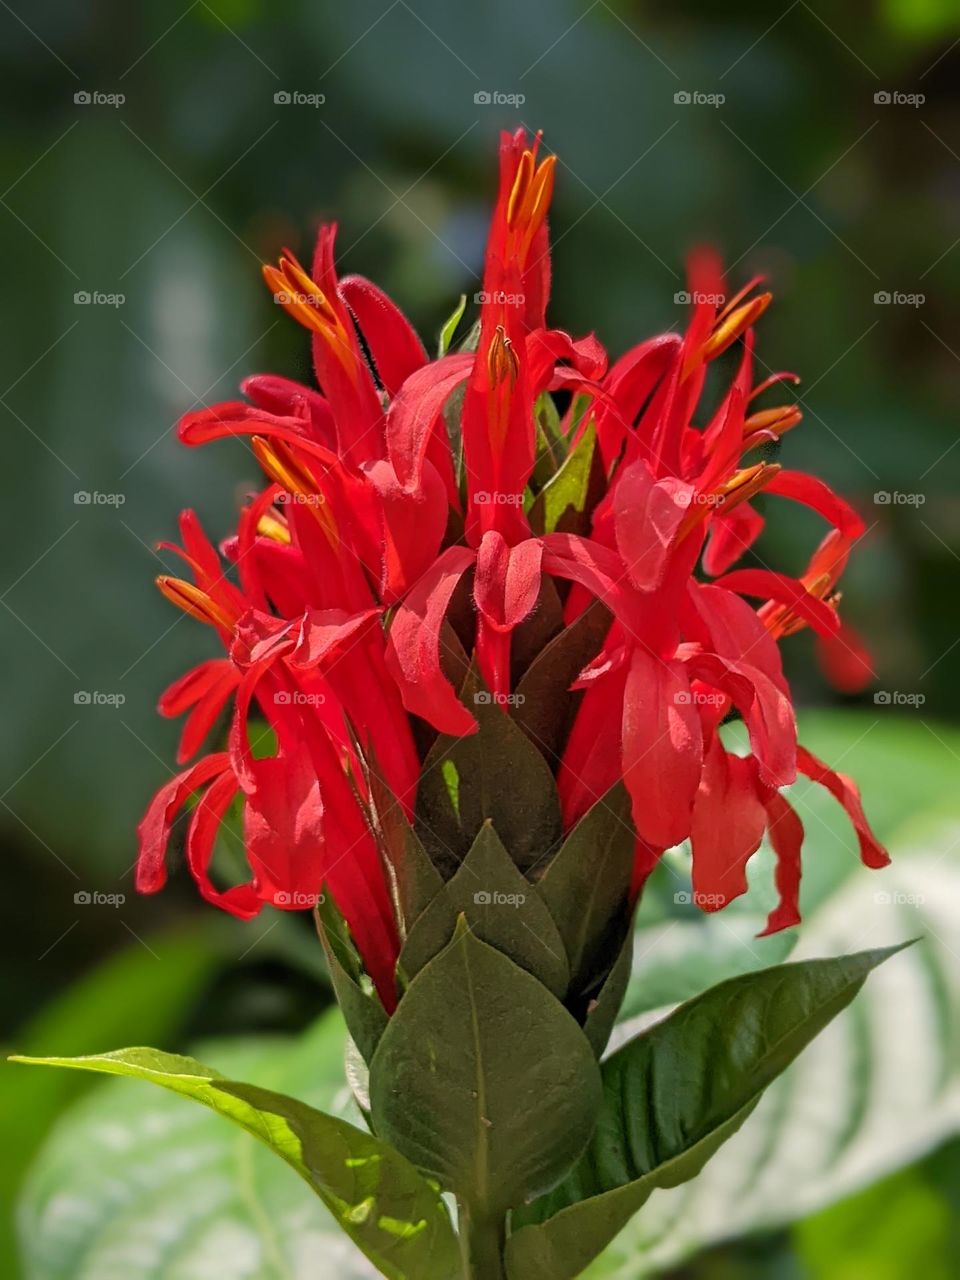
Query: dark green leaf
[586,885]
[494,773]
[544,705]
[673,1095]
[501,907]
[602,1011]
[483,1079]
[365,1016]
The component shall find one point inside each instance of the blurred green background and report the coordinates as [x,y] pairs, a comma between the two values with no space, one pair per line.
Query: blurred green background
[832,164]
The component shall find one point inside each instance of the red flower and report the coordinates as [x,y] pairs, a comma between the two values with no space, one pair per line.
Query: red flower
[331,599]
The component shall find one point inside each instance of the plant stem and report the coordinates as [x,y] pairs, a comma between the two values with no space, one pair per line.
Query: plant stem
[481,1245]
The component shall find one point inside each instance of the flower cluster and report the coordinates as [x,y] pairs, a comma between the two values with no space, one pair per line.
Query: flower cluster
[407,489]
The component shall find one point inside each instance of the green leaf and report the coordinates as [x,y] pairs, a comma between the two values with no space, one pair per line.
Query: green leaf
[544,705]
[563,500]
[483,1079]
[364,1014]
[586,885]
[450,326]
[177,1189]
[498,776]
[501,907]
[880,1087]
[673,1095]
[602,1011]
[148,991]
[415,879]
[398,1219]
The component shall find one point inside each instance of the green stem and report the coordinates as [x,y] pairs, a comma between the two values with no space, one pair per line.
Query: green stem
[481,1245]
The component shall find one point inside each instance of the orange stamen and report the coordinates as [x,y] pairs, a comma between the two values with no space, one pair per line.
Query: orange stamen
[731,326]
[192,600]
[283,467]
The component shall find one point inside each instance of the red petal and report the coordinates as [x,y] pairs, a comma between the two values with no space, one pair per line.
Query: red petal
[414,412]
[240,900]
[786,836]
[846,660]
[662,748]
[730,536]
[648,514]
[413,646]
[819,497]
[154,829]
[766,709]
[508,580]
[390,337]
[728,825]
[767,585]
[872,853]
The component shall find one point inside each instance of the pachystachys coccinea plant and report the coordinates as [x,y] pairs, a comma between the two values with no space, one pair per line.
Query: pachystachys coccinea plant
[478,632]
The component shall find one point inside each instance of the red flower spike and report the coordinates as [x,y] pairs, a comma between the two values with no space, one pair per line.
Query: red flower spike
[331,599]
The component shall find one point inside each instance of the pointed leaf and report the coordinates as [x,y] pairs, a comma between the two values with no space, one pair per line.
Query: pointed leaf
[563,501]
[501,907]
[587,884]
[545,706]
[396,1217]
[494,773]
[363,1013]
[673,1095]
[483,1079]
